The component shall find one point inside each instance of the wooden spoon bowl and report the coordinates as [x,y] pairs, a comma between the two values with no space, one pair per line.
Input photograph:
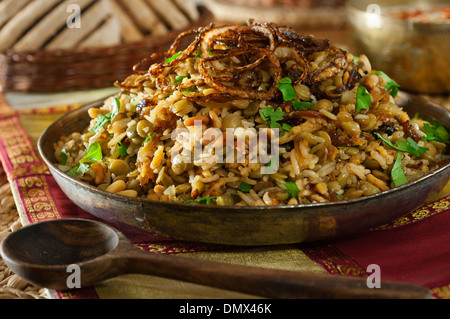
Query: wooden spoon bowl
[61,243]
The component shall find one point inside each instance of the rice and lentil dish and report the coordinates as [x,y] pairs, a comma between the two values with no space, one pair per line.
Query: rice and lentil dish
[340,133]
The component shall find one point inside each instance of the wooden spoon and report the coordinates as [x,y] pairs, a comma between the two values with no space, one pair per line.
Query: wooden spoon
[41,253]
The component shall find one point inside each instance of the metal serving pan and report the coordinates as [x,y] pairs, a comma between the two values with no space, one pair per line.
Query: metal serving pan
[247,225]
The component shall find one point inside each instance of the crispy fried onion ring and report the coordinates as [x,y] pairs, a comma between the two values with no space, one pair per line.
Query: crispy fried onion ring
[245,62]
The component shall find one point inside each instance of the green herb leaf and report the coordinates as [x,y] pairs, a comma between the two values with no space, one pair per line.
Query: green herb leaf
[286,80]
[102,119]
[190,90]
[292,189]
[363,99]
[180,78]
[435,132]
[391,86]
[272,116]
[207,200]
[409,146]
[78,170]
[266,113]
[198,54]
[388,142]
[397,173]
[123,149]
[355,59]
[300,105]
[63,156]
[244,187]
[173,57]
[116,107]
[93,154]
[148,138]
[285,87]
[271,165]
[286,127]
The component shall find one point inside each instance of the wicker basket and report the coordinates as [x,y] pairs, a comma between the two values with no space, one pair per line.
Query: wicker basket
[48,72]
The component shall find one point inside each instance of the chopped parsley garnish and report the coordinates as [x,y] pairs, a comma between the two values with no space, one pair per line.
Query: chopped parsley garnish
[286,128]
[289,94]
[63,156]
[363,99]
[435,132]
[102,119]
[409,146]
[244,187]
[207,200]
[123,149]
[272,116]
[93,155]
[292,189]
[391,86]
[272,165]
[116,107]
[198,54]
[148,138]
[173,57]
[190,90]
[180,78]
[300,105]
[397,173]
[78,170]
[285,87]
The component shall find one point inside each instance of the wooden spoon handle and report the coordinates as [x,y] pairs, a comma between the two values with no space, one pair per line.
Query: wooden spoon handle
[264,282]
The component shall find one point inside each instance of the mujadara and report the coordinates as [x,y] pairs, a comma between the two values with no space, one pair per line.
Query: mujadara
[187,124]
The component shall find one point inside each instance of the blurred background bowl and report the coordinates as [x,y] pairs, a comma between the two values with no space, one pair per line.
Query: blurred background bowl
[414,54]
